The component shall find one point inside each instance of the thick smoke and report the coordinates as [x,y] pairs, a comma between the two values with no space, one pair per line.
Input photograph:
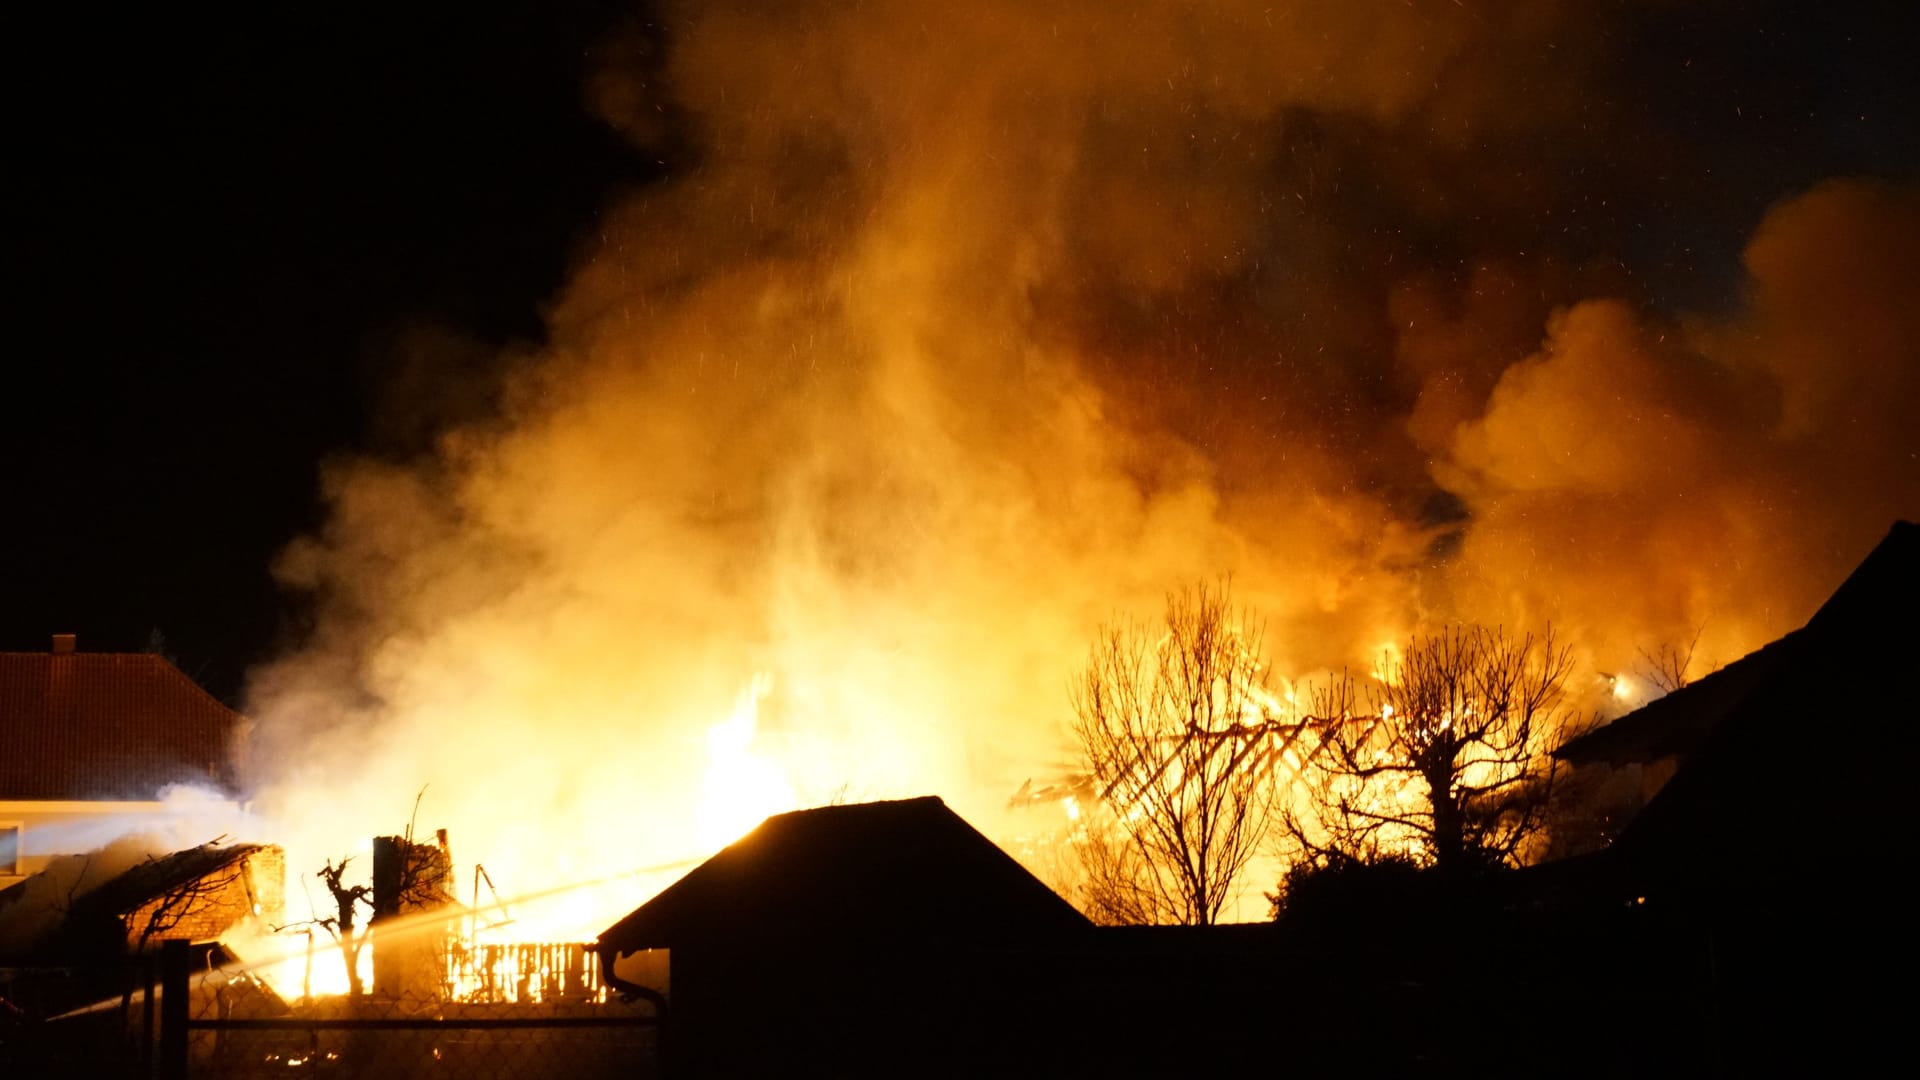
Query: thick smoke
[963,328]
[1639,479]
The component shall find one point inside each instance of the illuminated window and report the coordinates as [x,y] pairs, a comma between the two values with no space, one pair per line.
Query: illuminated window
[9,849]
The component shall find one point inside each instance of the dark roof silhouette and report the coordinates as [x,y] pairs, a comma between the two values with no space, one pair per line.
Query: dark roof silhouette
[1681,720]
[910,870]
[1776,845]
[1879,601]
[106,726]
[1800,746]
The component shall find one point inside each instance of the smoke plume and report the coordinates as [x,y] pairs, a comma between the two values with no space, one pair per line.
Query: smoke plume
[960,329]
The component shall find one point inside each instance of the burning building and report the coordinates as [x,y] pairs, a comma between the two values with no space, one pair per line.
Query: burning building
[76,913]
[903,377]
[413,888]
[941,334]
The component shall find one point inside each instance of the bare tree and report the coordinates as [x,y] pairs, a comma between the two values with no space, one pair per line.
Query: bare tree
[1173,720]
[413,881]
[1451,770]
[415,876]
[157,918]
[1670,666]
[160,916]
[346,899]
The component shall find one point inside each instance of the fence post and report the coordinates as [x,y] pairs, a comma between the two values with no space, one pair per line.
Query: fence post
[149,976]
[175,995]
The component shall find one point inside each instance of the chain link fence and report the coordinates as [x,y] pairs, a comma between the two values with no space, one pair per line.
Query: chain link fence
[230,1027]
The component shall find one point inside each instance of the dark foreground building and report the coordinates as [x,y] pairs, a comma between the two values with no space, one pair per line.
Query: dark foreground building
[869,939]
[1751,920]
[1767,876]
[892,939]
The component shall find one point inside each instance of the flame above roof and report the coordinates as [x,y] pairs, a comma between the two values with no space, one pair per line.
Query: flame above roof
[911,869]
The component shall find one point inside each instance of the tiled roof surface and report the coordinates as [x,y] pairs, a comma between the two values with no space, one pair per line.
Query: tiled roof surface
[106,726]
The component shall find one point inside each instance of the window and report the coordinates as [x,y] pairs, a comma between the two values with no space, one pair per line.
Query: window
[9,849]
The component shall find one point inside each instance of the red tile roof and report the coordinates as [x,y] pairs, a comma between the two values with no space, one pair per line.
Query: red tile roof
[106,726]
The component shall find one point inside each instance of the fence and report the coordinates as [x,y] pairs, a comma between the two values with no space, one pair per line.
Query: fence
[207,1028]
[524,973]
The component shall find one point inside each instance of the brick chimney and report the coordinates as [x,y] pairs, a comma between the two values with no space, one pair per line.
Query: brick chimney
[64,644]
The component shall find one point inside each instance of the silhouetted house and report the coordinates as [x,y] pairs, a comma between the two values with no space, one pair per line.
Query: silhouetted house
[88,740]
[1819,707]
[1748,921]
[880,938]
[892,939]
[1771,867]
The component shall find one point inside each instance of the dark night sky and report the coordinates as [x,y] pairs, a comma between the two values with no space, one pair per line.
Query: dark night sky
[219,229]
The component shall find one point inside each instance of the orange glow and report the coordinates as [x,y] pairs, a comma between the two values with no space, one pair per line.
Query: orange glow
[896,398]
[742,786]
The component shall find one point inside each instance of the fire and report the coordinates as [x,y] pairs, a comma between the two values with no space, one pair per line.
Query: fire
[1623,688]
[904,442]
[1388,660]
[303,963]
[742,785]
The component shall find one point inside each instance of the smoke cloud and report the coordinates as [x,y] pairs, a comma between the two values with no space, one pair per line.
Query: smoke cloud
[1642,478]
[961,330]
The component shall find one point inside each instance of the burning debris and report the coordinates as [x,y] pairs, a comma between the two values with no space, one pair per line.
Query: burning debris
[412,885]
[123,900]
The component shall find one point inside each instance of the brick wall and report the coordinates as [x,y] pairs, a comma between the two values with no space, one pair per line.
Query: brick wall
[267,870]
[211,906]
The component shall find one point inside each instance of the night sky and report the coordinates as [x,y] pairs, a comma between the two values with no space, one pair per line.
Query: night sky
[222,227]
[241,245]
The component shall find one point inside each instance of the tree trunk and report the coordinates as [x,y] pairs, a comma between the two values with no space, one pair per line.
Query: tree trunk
[1449,824]
[350,952]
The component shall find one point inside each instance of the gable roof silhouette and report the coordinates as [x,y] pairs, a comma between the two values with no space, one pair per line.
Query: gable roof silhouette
[1799,747]
[1876,605]
[880,872]
[1679,721]
[79,725]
